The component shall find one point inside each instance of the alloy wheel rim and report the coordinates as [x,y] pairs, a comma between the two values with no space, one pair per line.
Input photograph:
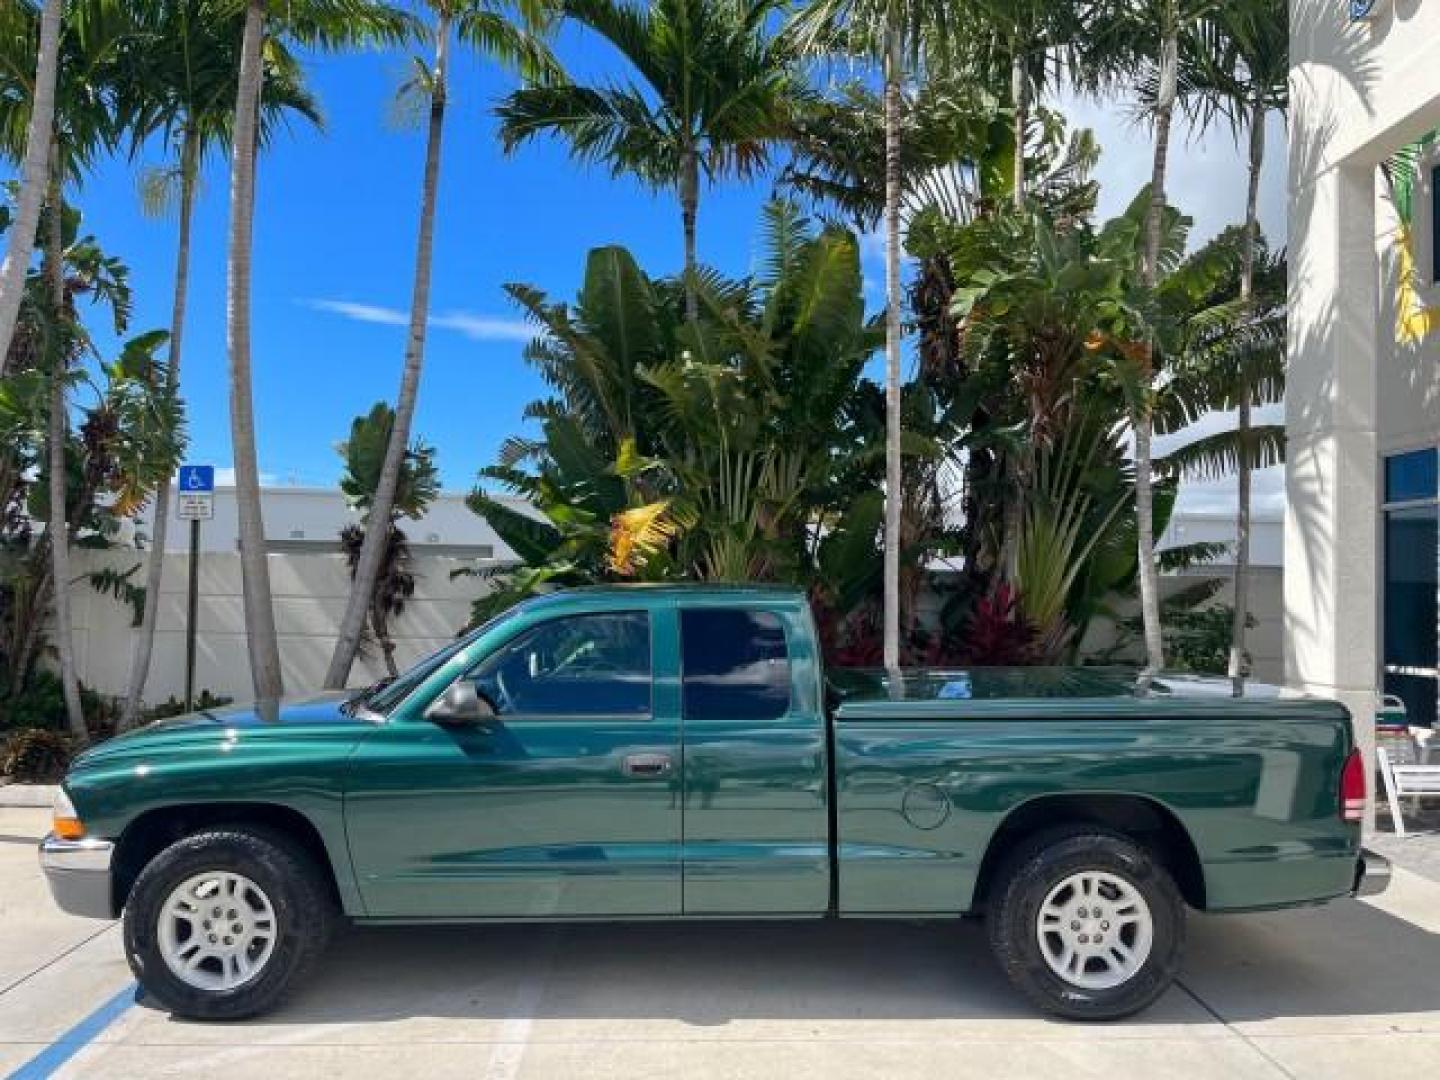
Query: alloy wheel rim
[217,931]
[1095,930]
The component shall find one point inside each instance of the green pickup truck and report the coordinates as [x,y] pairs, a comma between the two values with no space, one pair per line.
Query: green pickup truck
[678,753]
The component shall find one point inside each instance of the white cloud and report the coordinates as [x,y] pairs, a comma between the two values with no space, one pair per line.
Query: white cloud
[473,326]
[225,477]
[1267,497]
[368,313]
[1220,496]
[484,327]
[1206,176]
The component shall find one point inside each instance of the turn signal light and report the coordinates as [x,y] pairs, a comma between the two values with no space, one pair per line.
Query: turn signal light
[1352,788]
[68,828]
[65,822]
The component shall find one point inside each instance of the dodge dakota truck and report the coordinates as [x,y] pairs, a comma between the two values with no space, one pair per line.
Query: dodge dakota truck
[679,753]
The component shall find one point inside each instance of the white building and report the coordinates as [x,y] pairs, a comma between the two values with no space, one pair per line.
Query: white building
[1363,401]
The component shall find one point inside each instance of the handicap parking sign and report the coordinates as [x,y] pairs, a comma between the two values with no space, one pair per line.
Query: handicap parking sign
[197,479]
[196,500]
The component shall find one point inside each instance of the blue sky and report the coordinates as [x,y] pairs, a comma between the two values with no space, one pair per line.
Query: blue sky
[335,224]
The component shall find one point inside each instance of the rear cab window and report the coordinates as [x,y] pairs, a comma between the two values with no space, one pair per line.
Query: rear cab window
[735,665]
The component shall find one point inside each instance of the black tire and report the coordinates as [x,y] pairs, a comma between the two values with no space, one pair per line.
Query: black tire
[1028,878]
[299,893]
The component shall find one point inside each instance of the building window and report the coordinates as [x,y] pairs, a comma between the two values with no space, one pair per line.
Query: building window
[1412,583]
[1413,476]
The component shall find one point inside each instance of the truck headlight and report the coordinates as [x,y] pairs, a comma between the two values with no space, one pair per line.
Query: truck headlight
[65,822]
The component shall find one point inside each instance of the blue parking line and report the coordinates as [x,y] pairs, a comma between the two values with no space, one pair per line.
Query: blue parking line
[49,1060]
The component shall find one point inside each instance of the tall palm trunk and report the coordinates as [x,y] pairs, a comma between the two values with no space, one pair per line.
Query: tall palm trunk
[1145,419]
[376,543]
[1247,292]
[1020,99]
[154,569]
[689,208]
[260,637]
[893,492]
[57,525]
[33,179]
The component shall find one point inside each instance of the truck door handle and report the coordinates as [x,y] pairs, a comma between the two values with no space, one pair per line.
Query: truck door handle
[645,764]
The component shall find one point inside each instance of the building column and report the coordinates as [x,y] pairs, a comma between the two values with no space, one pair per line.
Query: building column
[1332,557]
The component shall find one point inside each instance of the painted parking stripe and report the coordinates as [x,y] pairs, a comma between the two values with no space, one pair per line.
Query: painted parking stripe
[49,1060]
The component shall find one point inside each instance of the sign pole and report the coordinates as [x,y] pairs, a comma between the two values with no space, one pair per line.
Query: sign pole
[192,606]
[195,503]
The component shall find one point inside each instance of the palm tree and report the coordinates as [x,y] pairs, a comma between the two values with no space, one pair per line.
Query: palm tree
[88,117]
[35,159]
[326,23]
[1159,39]
[486,25]
[1030,43]
[364,454]
[1254,74]
[53,272]
[713,95]
[894,31]
[185,87]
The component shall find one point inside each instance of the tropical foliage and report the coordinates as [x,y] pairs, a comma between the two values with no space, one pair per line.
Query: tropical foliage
[126,442]
[729,447]
[697,426]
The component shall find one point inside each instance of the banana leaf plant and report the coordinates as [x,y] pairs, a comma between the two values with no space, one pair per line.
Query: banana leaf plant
[719,447]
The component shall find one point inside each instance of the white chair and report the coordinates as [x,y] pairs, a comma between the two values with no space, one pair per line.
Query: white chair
[1405,777]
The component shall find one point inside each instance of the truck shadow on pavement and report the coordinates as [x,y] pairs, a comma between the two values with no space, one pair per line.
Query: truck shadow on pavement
[1344,959]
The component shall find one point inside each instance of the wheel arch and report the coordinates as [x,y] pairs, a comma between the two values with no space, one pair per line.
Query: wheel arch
[1142,818]
[155,829]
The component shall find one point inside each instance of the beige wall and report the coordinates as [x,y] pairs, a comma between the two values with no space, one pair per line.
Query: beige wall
[1264,642]
[310,593]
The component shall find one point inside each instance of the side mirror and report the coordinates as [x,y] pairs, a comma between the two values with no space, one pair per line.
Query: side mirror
[460,704]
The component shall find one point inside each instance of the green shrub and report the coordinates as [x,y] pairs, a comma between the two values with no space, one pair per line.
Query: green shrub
[36,755]
[40,705]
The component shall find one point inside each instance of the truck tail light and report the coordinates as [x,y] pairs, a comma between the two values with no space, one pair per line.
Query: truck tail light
[1352,788]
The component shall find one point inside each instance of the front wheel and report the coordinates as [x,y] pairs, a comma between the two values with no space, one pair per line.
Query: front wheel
[223,924]
[1087,925]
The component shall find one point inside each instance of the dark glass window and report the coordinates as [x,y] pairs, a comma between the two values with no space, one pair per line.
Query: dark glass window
[736,666]
[585,665]
[1412,476]
[1435,225]
[1412,559]
[1420,693]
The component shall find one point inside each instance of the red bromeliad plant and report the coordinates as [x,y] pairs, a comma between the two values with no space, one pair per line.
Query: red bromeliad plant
[998,634]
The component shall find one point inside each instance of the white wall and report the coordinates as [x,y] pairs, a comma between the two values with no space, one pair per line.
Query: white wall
[310,592]
[1359,91]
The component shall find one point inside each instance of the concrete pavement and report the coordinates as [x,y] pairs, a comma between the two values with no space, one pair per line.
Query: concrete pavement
[1351,989]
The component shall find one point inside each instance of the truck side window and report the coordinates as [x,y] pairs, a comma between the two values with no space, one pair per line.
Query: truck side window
[581,665]
[736,666]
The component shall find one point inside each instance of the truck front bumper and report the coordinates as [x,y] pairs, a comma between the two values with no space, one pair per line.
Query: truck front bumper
[78,872]
[1372,873]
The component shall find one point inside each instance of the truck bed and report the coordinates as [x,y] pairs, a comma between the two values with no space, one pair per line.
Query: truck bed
[932,766]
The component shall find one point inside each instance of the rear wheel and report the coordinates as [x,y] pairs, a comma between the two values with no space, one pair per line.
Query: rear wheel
[224,924]
[1087,924]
